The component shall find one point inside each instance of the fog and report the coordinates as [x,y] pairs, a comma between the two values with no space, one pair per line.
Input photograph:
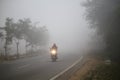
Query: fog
[64,19]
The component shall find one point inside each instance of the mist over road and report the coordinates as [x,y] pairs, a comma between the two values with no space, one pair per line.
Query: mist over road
[67,27]
[36,68]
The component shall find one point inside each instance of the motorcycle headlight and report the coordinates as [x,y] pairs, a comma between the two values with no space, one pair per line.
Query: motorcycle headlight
[53,52]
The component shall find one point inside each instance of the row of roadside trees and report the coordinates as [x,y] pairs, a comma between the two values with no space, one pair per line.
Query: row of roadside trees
[23,29]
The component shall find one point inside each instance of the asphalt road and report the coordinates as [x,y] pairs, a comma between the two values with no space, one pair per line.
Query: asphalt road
[36,68]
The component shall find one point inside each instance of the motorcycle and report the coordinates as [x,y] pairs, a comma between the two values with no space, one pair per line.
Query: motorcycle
[53,53]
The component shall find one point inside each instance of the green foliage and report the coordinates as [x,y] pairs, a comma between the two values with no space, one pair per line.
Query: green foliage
[32,34]
[23,29]
[9,29]
[104,16]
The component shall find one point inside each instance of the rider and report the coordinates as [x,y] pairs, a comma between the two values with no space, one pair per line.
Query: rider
[54,46]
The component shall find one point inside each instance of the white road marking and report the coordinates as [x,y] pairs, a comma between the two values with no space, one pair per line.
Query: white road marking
[56,76]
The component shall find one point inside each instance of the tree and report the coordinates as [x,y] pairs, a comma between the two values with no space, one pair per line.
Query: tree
[1,36]
[104,16]
[25,27]
[17,36]
[37,36]
[34,36]
[9,33]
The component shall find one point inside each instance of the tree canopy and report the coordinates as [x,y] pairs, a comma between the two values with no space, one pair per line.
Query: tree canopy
[104,16]
[24,29]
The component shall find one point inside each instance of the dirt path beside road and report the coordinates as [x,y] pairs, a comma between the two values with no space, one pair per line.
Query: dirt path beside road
[89,65]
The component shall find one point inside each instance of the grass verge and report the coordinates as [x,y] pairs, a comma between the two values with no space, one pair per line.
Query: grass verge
[96,68]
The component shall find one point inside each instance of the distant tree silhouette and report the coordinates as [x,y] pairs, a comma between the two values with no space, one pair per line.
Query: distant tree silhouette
[23,29]
[104,16]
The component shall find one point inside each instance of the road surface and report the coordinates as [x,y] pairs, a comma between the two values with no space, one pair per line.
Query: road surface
[36,68]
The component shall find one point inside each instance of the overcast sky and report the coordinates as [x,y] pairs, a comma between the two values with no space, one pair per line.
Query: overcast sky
[65,19]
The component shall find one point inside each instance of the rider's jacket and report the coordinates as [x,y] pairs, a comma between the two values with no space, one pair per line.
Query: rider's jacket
[54,47]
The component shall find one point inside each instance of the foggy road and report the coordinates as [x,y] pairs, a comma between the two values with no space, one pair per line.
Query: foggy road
[36,68]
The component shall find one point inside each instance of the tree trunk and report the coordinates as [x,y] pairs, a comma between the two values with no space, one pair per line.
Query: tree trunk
[32,48]
[26,48]
[18,49]
[6,54]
